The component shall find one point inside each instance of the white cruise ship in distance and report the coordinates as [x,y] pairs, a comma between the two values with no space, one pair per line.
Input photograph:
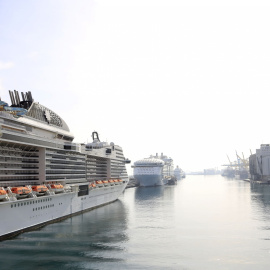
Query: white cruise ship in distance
[153,171]
[179,173]
[44,176]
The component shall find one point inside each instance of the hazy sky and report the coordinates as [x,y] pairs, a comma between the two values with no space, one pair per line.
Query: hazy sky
[190,79]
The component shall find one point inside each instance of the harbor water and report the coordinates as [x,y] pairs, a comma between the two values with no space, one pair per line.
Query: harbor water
[204,222]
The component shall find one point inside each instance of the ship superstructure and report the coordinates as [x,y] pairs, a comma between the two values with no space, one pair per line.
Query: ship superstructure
[44,175]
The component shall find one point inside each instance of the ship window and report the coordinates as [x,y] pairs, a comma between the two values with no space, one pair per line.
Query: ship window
[24,203]
[18,205]
[27,203]
[11,206]
[15,205]
[39,208]
[33,209]
[36,208]
[21,204]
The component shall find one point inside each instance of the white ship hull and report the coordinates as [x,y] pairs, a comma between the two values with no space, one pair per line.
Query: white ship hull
[20,215]
[149,180]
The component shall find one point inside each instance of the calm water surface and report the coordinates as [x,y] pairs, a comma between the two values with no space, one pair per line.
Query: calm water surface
[205,222]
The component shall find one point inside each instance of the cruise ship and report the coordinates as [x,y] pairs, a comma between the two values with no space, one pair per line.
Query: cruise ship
[179,173]
[44,175]
[153,171]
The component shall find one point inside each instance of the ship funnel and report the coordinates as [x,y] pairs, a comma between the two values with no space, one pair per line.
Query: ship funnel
[26,102]
[17,98]
[23,97]
[12,98]
[95,136]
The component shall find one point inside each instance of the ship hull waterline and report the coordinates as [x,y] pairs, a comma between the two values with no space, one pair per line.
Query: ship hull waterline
[51,209]
[149,180]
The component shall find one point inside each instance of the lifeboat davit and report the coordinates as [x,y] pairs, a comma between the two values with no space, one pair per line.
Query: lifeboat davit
[21,192]
[57,188]
[39,190]
[3,194]
[99,183]
[92,185]
[105,183]
[111,182]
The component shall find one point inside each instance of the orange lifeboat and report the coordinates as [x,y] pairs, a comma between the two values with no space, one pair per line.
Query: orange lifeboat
[99,183]
[105,183]
[21,192]
[40,190]
[3,194]
[111,182]
[120,181]
[57,188]
[92,185]
[115,181]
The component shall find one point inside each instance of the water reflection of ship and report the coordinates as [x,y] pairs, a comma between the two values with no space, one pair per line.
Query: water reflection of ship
[157,193]
[260,194]
[105,225]
[149,193]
